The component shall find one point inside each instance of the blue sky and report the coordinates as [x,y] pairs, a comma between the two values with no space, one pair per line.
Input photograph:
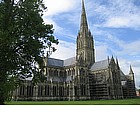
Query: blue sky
[115,25]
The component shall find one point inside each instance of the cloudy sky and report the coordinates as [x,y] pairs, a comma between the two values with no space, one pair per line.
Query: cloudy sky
[115,25]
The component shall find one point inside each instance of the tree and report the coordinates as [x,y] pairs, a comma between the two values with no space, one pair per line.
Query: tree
[23,38]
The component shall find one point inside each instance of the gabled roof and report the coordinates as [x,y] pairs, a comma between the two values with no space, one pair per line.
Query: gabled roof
[61,63]
[70,61]
[55,62]
[100,65]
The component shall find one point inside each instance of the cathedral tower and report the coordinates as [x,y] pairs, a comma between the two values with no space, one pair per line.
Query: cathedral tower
[84,58]
[85,45]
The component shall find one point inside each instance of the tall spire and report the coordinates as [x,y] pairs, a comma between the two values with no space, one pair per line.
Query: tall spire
[85,42]
[84,25]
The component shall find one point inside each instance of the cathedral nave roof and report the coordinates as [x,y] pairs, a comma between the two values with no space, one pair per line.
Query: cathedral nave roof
[100,65]
[61,63]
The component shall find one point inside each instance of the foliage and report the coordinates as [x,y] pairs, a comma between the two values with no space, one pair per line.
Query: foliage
[23,38]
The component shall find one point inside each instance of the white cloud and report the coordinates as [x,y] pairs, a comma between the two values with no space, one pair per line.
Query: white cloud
[63,10]
[64,50]
[129,21]
[125,65]
[117,22]
[55,26]
[131,49]
[101,51]
[118,13]
[58,6]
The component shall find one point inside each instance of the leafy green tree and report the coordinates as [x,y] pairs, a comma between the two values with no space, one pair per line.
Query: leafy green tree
[23,38]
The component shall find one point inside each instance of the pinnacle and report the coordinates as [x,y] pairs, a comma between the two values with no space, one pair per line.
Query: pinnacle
[131,71]
[84,25]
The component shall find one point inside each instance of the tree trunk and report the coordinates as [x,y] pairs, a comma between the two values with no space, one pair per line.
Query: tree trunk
[2,103]
[2,86]
[2,99]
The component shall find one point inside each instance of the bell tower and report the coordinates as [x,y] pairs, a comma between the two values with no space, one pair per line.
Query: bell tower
[85,58]
[85,54]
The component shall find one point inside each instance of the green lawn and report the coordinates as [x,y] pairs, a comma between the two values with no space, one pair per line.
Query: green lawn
[95,102]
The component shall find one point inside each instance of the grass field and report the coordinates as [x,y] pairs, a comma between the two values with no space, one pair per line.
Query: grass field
[95,102]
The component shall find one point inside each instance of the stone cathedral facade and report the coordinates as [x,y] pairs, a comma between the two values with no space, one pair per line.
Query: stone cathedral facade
[80,77]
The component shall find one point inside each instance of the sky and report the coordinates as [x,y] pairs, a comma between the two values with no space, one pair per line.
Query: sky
[115,26]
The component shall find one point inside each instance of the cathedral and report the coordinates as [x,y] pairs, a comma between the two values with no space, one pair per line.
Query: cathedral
[80,77]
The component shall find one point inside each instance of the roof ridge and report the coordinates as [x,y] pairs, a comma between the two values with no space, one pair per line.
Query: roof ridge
[69,58]
[102,60]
